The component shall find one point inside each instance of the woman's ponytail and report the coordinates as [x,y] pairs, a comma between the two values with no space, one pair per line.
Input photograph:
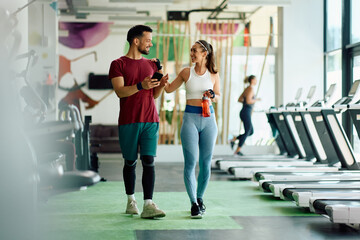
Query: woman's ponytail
[248,79]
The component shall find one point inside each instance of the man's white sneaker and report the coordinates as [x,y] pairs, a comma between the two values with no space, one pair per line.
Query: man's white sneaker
[132,208]
[152,211]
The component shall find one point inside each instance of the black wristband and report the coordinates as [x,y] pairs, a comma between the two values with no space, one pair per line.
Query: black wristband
[212,93]
[158,64]
[139,86]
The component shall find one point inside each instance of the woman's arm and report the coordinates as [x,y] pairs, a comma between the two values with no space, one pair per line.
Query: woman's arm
[160,88]
[241,98]
[170,87]
[216,88]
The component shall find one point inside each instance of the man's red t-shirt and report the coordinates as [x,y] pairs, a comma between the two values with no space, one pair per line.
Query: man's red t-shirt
[139,107]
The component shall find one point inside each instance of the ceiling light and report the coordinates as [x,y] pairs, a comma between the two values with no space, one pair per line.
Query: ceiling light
[135,18]
[143,1]
[260,2]
[117,26]
[106,10]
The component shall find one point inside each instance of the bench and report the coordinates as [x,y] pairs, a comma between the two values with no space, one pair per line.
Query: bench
[104,139]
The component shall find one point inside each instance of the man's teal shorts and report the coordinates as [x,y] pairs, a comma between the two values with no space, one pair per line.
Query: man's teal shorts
[132,135]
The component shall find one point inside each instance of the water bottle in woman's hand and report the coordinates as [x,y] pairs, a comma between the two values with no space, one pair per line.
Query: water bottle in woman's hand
[205,106]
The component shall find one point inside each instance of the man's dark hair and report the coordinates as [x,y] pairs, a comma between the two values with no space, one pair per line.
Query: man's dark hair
[137,32]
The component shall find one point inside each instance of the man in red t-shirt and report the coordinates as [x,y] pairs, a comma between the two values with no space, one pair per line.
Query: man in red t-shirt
[138,119]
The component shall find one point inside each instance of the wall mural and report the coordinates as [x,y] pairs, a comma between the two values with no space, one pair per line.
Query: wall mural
[65,64]
[75,94]
[83,35]
[213,29]
[80,35]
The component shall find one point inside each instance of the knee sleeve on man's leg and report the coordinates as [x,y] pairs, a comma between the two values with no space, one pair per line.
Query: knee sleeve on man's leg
[147,161]
[130,163]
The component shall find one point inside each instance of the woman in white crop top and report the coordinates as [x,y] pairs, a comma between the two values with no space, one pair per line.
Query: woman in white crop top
[198,133]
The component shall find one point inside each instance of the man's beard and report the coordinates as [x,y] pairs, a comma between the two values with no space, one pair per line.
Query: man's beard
[143,51]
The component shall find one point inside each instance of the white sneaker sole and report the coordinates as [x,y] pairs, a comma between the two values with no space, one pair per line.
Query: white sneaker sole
[160,215]
[197,216]
[132,213]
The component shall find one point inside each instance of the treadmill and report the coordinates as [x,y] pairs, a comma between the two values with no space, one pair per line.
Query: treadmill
[346,156]
[337,144]
[341,209]
[289,133]
[285,144]
[316,146]
[302,196]
[338,210]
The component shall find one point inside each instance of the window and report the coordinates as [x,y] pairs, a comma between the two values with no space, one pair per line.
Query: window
[355,21]
[334,73]
[342,52]
[356,76]
[333,28]
[356,68]
[266,92]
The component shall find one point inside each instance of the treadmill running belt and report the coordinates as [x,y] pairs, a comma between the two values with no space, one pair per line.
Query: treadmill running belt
[320,204]
[288,192]
[266,184]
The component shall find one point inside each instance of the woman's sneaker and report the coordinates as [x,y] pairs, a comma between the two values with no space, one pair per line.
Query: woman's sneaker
[240,153]
[195,211]
[202,206]
[232,143]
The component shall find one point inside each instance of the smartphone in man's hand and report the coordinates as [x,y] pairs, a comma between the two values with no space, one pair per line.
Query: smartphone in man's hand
[157,76]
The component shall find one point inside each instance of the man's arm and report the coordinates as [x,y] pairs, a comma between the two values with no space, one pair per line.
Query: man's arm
[126,91]
[121,90]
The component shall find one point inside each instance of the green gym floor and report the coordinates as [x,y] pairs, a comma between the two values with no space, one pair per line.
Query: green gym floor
[235,210]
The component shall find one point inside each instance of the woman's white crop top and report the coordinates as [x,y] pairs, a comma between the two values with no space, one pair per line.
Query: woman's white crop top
[196,85]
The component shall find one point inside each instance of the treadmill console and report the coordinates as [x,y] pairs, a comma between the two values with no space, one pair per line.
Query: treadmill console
[319,103]
[346,100]
[343,101]
[328,94]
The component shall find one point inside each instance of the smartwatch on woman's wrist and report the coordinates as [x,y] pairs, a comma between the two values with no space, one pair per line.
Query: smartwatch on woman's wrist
[212,93]
[158,64]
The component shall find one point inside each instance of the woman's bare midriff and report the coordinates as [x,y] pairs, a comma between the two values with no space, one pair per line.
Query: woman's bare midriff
[195,102]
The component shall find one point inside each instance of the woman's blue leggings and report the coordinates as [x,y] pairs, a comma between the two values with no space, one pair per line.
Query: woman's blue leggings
[198,136]
[245,116]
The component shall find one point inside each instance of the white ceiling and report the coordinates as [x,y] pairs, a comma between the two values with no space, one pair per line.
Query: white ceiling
[158,7]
